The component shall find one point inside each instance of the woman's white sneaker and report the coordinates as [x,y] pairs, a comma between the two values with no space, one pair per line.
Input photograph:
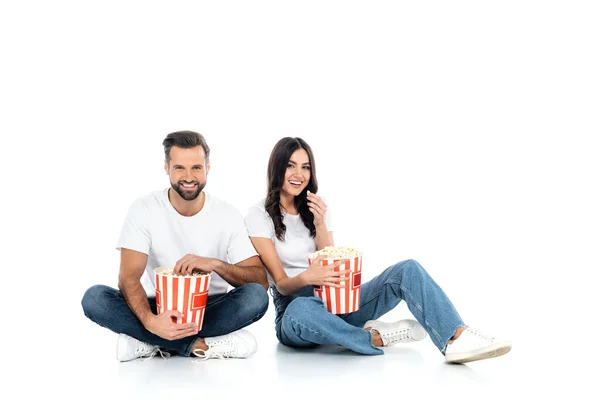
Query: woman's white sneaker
[403,331]
[472,346]
[238,344]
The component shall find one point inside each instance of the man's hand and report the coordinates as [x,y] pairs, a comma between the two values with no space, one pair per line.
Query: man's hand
[164,325]
[191,262]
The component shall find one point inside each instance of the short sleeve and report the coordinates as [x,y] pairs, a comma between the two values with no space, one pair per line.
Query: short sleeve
[259,223]
[135,234]
[240,247]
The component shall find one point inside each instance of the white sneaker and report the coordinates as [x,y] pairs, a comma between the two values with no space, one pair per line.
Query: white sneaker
[238,344]
[472,346]
[403,331]
[129,348]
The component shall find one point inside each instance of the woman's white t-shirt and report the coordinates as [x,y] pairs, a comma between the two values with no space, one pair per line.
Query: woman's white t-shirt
[298,244]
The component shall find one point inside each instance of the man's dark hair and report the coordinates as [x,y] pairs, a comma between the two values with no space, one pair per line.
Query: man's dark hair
[185,140]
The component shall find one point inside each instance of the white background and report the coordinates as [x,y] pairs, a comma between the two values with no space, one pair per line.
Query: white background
[461,134]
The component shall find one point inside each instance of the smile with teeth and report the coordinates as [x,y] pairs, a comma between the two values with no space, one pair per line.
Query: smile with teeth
[188,185]
[295,183]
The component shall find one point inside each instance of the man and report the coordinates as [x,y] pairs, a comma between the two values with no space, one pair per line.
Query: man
[189,229]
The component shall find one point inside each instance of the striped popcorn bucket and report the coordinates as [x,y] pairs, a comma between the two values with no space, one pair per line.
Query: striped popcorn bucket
[184,293]
[347,298]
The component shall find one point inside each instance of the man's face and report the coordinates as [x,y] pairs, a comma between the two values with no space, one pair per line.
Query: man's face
[187,170]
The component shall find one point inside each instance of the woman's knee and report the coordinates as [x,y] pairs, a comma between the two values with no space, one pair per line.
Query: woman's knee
[304,306]
[410,266]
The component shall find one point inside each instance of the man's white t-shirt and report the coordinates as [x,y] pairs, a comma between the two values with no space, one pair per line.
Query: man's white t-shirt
[298,244]
[155,228]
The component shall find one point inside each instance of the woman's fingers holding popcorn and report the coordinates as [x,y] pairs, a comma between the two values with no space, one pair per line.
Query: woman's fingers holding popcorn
[318,260]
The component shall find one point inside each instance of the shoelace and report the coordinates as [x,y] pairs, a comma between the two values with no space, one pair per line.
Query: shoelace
[479,334]
[147,352]
[395,337]
[220,349]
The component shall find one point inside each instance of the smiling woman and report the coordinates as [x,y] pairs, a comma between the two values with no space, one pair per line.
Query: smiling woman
[292,222]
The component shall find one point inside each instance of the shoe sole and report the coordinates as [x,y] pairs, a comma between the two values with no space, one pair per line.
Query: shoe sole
[492,351]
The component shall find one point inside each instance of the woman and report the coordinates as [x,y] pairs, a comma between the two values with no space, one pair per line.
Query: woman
[293,222]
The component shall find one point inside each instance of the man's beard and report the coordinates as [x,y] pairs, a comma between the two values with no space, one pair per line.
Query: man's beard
[186,194]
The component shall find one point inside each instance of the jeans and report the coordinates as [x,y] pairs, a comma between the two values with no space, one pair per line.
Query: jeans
[301,319]
[225,313]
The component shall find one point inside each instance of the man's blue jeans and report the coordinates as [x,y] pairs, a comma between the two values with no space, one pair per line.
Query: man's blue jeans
[301,320]
[225,313]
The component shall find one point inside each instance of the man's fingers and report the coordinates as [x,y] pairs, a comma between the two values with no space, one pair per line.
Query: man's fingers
[174,313]
[184,333]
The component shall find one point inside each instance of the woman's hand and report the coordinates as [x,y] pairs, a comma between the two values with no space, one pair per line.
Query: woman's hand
[319,274]
[318,207]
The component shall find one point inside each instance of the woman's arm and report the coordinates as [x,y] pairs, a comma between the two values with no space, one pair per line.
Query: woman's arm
[317,206]
[266,250]
[316,274]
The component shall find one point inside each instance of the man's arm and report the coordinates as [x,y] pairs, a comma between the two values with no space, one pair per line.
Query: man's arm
[247,271]
[133,264]
[132,267]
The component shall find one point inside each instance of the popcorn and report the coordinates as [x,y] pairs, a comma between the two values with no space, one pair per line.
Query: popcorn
[337,252]
[170,272]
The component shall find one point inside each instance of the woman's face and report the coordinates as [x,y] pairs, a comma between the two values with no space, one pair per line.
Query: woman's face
[297,173]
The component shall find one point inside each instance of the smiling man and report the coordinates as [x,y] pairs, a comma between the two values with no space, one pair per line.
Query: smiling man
[193,231]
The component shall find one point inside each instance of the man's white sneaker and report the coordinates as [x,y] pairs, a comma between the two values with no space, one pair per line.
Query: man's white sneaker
[403,331]
[238,344]
[129,348]
[472,346]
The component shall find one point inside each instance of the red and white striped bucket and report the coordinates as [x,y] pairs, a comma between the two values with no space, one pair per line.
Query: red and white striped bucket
[184,293]
[347,298]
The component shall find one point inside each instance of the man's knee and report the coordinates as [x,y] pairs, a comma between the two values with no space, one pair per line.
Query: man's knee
[255,299]
[93,299]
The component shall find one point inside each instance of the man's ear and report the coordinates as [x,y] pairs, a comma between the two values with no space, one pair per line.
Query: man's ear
[167,168]
[207,168]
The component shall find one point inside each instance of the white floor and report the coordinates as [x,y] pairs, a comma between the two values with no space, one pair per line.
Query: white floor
[85,365]
[461,134]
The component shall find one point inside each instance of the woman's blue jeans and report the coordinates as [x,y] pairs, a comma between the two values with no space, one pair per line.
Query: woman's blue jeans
[225,313]
[301,320]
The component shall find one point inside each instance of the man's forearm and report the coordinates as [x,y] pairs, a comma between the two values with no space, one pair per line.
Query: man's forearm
[237,275]
[136,299]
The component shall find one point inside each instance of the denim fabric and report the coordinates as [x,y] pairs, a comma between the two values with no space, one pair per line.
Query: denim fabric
[301,320]
[225,313]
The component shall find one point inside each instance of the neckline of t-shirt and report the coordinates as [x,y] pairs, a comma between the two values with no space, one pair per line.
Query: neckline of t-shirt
[172,209]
